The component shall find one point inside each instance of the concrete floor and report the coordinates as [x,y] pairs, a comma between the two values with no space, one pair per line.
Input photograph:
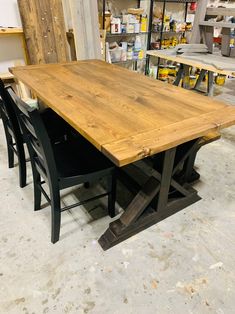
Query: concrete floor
[184,264]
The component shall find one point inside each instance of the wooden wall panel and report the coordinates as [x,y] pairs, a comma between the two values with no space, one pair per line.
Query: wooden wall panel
[44,29]
[84,15]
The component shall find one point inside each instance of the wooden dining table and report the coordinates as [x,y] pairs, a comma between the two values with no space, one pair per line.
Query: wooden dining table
[136,122]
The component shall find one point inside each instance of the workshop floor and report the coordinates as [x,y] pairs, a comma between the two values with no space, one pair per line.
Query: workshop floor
[184,264]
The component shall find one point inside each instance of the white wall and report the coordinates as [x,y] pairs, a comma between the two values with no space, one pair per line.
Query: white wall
[9,13]
[10,47]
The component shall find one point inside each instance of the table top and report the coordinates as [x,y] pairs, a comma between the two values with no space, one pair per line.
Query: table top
[209,62]
[125,115]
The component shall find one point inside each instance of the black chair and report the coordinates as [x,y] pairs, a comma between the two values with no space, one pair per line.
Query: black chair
[57,129]
[14,139]
[61,165]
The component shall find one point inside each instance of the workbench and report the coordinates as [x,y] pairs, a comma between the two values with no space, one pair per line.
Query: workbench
[207,63]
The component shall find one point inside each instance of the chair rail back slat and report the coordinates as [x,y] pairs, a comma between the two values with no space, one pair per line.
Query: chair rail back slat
[36,136]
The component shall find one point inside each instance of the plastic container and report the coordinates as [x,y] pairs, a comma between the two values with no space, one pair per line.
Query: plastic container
[172,70]
[144,24]
[130,28]
[163,73]
[137,28]
[116,26]
[220,79]
[130,52]
[192,80]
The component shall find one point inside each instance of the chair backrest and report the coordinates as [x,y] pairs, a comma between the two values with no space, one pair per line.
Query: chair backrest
[9,117]
[37,139]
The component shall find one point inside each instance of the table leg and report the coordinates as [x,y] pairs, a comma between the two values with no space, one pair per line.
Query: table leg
[190,174]
[172,197]
[186,76]
[200,79]
[210,87]
[179,75]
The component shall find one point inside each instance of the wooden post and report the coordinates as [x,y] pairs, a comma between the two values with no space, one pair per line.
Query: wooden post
[199,17]
[85,22]
[208,37]
[225,45]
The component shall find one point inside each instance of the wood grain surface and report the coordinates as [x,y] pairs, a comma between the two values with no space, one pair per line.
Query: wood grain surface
[85,24]
[44,29]
[125,115]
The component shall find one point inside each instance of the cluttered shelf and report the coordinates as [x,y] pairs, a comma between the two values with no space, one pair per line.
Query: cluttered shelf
[125,34]
[129,61]
[165,24]
[127,29]
[171,32]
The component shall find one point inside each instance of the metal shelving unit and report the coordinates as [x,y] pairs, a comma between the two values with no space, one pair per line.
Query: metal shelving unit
[129,61]
[126,34]
[162,33]
[109,35]
[150,31]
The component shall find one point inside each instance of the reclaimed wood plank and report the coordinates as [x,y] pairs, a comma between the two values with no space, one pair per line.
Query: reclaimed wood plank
[218,24]
[44,29]
[220,11]
[199,17]
[84,15]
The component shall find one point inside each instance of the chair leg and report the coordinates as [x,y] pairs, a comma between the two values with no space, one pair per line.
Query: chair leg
[55,215]
[10,153]
[37,191]
[22,167]
[112,183]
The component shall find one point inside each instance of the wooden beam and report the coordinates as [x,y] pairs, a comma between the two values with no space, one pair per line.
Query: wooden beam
[199,17]
[44,29]
[217,24]
[86,28]
[220,11]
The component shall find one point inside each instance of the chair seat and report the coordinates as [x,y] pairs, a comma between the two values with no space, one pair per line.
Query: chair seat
[55,125]
[78,157]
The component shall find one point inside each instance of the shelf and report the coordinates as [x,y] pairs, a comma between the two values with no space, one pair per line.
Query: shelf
[170,32]
[220,11]
[176,1]
[128,61]
[6,76]
[217,24]
[6,31]
[163,48]
[126,34]
[191,12]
